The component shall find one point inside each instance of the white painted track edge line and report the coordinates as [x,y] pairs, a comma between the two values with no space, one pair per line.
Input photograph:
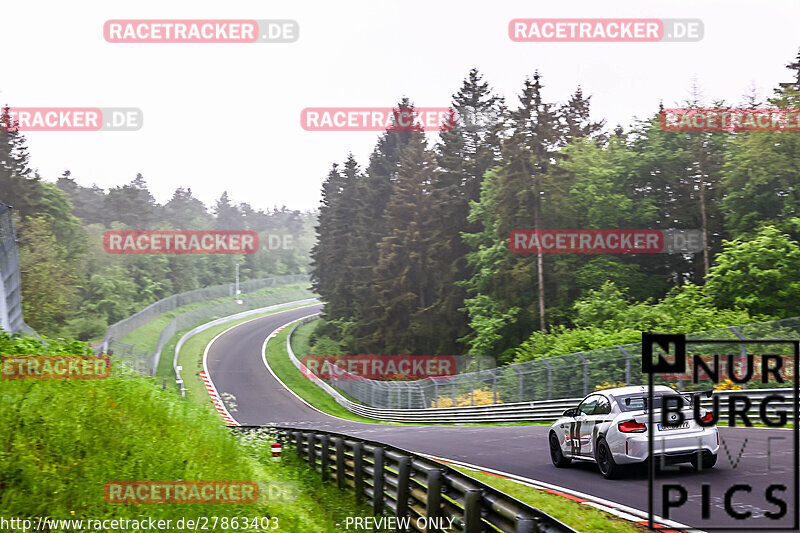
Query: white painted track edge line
[205,359]
[541,484]
[279,380]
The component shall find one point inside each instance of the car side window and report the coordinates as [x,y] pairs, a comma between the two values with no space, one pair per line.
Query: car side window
[603,406]
[587,406]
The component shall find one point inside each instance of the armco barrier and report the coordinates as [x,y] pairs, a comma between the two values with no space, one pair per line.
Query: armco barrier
[223,320]
[549,378]
[10,281]
[146,361]
[125,326]
[409,486]
[510,412]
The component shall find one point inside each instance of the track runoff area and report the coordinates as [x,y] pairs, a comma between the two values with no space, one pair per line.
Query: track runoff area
[743,492]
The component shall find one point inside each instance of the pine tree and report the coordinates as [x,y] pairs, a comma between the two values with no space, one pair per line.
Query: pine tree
[372,195]
[465,153]
[500,304]
[403,278]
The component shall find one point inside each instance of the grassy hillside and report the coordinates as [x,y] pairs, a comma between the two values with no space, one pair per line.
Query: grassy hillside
[62,440]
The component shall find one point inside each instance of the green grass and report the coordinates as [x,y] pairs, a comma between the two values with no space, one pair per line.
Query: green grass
[146,336]
[61,441]
[278,359]
[576,515]
[191,356]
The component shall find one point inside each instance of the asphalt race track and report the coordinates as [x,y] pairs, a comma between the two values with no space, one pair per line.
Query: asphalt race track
[756,457]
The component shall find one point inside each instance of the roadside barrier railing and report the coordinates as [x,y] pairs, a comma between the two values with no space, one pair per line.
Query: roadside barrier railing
[531,411]
[224,319]
[10,281]
[146,361]
[425,495]
[550,378]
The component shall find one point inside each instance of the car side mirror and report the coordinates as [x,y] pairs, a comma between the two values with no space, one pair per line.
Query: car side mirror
[570,412]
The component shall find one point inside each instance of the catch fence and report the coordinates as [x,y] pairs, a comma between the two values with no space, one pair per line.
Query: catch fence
[10,283]
[554,378]
[146,361]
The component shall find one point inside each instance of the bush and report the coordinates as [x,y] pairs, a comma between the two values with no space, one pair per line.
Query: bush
[482,396]
[85,328]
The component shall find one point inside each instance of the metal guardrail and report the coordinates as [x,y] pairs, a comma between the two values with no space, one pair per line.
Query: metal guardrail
[125,326]
[533,411]
[411,486]
[537,411]
[145,361]
[10,282]
[223,320]
[550,378]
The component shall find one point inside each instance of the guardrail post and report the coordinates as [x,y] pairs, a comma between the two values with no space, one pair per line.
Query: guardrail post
[742,350]
[340,477]
[358,470]
[627,364]
[526,525]
[433,505]
[549,379]
[519,374]
[298,445]
[326,456]
[472,390]
[585,373]
[403,475]
[312,452]
[377,482]
[494,380]
[472,511]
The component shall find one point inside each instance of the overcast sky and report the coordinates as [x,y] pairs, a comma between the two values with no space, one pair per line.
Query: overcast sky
[227,116]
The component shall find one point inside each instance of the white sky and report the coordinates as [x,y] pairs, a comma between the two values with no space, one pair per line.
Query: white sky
[226,116]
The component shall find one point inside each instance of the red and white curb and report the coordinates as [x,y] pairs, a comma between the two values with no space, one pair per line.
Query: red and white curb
[275,333]
[209,383]
[621,511]
[216,400]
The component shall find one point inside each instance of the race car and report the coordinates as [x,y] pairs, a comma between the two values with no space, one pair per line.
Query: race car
[609,427]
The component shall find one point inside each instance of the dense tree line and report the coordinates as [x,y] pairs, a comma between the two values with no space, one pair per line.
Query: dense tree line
[412,253]
[71,286]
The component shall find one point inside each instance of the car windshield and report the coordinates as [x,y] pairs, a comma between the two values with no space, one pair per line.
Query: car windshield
[639,400]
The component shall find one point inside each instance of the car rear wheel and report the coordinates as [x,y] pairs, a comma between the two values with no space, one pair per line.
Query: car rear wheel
[605,461]
[708,461]
[555,453]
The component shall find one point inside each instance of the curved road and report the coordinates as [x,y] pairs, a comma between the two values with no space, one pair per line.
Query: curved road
[236,366]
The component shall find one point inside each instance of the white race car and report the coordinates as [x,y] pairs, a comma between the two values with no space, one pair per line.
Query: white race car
[609,427]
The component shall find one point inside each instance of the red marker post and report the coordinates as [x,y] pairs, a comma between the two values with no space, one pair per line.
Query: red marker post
[276,451]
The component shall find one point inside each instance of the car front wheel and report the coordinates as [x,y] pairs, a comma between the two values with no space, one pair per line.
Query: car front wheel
[605,461]
[555,453]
